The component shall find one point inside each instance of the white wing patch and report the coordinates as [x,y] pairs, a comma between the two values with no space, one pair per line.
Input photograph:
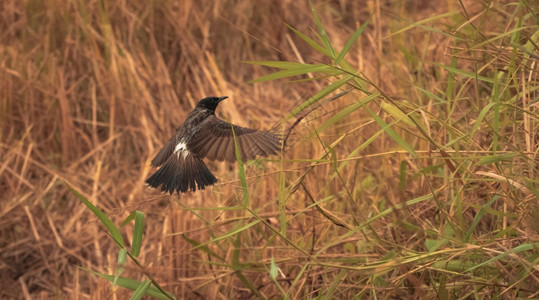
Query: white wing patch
[181,148]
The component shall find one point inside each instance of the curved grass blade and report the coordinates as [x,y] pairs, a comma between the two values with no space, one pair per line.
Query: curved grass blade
[114,232]
[129,218]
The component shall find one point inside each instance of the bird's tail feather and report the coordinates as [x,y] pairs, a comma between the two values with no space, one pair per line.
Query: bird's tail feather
[179,174]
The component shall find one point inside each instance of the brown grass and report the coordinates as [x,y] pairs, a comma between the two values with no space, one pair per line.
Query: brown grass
[90,90]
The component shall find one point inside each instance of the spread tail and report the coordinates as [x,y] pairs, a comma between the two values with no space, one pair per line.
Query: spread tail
[180,173]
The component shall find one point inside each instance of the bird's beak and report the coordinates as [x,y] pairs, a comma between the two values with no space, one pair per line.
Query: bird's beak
[222,98]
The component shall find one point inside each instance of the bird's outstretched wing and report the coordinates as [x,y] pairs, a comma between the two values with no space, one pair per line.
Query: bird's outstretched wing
[215,140]
[164,153]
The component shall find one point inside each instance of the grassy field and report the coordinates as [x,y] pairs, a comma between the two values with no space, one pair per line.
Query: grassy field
[410,170]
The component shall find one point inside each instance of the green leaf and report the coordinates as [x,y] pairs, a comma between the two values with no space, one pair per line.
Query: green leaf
[129,218]
[112,229]
[350,42]
[231,233]
[274,270]
[202,247]
[287,65]
[478,218]
[496,158]
[309,41]
[516,250]
[433,245]
[471,75]
[396,113]
[323,35]
[138,231]
[480,118]
[402,175]
[389,131]
[420,24]
[321,94]
[131,284]
[304,69]
[346,111]
[141,290]
[122,258]
[431,95]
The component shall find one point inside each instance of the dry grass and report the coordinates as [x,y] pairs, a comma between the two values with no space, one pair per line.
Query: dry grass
[89,91]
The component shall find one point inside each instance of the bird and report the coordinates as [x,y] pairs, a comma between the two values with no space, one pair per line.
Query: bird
[204,135]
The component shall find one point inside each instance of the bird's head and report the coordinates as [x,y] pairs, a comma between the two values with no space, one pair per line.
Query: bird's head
[210,102]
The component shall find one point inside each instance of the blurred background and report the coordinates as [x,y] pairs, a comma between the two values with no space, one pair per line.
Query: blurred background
[90,91]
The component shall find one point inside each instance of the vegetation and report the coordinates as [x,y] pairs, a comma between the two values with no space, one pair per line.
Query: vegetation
[409,170]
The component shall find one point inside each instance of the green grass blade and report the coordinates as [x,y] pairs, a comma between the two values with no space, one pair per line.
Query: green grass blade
[496,158]
[480,118]
[389,131]
[345,112]
[129,218]
[478,218]
[274,270]
[122,258]
[229,234]
[310,41]
[350,42]
[286,65]
[138,231]
[131,284]
[424,21]
[141,290]
[323,34]
[321,94]
[466,74]
[516,250]
[396,113]
[203,248]
[112,229]
[431,95]
[304,69]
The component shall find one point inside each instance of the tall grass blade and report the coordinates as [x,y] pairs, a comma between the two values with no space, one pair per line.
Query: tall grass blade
[323,34]
[141,290]
[350,42]
[132,284]
[478,218]
[321,94]
[310,41]
[389,131]
[113,231]
[304,69]
[138,231]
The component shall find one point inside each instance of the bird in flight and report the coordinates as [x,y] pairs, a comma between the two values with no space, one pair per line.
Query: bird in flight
[205,135]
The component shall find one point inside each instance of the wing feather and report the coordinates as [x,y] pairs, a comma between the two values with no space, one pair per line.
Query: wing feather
[215,141]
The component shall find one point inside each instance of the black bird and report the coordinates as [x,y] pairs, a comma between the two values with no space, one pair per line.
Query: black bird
[204,135]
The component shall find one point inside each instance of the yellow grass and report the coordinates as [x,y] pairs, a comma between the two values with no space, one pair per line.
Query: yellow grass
[90,90]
